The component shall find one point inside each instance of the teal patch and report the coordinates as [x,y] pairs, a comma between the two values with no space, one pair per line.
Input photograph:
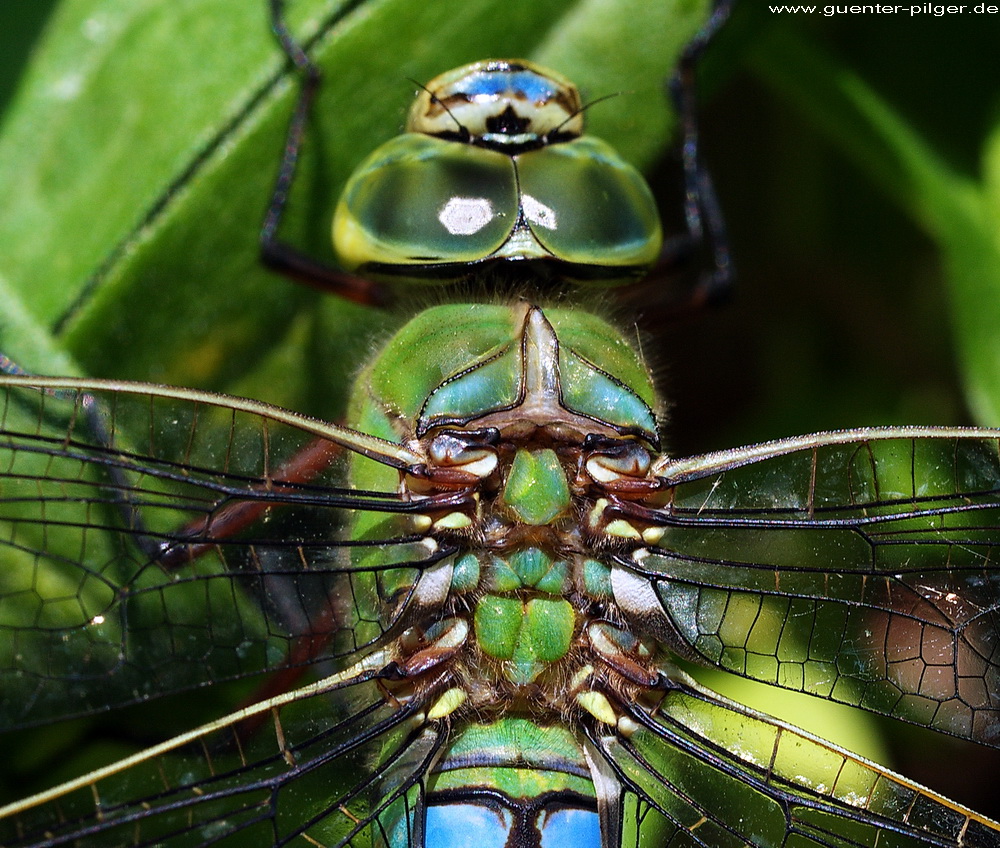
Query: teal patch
[486,387]
[501,577]
[531,564]
[538,570]
[596,579]
[555,580]
[465,576]
[591,392]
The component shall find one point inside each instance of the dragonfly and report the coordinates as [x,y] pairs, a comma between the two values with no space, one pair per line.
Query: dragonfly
[496,604]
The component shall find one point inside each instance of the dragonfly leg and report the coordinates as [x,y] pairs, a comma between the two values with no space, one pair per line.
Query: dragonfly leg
[705,221]
[706,226]
[276,254]
[304,466]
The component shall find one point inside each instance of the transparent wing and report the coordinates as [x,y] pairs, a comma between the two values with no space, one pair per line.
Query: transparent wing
[859,566]
[692,769]
[179,553]
[310,773]
[171,551]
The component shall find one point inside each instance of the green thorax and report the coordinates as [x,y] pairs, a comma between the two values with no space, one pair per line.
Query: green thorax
[522,621]
[512,393]
[458,364]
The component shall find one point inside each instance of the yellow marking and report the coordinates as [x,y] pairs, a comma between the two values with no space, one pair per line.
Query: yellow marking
[483,467]
[598,706]
[600,472]
[98,812]
[447,703]
[163,776]
[279,733]
[598,510]
[621,528]
[208,759]
[239,748]
[422,523]
[581,677]
[453,521]
[652,535]
[627,726]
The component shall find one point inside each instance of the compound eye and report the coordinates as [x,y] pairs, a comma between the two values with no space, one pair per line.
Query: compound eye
[617,460]
[451,450]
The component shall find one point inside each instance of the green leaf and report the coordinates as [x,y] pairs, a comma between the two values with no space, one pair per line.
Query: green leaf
[139,155]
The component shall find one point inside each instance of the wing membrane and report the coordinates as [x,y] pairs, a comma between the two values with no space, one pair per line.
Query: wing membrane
[328,770]
[857,566]
[125,577]
[698,770]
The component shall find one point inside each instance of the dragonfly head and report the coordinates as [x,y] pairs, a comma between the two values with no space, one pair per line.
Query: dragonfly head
[494,170]
[501,103]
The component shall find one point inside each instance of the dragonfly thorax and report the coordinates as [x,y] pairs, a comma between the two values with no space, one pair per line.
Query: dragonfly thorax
[539,434]
[536,437]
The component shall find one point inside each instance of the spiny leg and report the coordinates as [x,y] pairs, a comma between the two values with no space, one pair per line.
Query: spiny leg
[706,226]
[276,254]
